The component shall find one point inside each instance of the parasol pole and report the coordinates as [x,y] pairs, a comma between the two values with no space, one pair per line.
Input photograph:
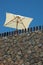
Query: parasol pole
[17,26]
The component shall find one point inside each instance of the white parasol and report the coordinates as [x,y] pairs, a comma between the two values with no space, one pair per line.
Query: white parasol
[17,21]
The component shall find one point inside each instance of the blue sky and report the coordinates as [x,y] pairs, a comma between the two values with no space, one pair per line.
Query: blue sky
[30,8]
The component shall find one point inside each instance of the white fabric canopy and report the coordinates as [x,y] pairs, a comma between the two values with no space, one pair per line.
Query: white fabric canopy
[12,19]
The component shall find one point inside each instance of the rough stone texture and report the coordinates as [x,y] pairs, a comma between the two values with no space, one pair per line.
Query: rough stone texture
[23,49]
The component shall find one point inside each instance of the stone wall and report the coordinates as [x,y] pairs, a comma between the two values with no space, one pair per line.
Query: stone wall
[23,49]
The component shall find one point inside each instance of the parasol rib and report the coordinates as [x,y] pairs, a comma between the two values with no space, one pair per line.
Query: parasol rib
[10,21]
[23,24]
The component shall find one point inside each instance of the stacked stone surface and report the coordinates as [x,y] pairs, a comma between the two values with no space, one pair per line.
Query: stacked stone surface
[23,49]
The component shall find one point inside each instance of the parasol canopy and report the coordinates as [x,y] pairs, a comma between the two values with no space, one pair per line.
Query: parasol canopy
[17,21]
